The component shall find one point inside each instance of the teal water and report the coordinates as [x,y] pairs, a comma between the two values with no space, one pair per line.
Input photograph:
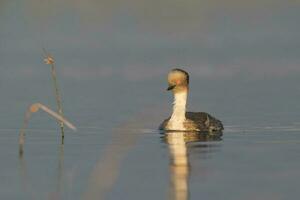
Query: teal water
[112,60]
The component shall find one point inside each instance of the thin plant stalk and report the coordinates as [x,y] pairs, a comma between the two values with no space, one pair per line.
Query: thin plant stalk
[34,108]
[22,132]
[49,60]
[58,98]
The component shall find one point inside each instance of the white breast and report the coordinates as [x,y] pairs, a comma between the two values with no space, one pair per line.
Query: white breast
[178,116]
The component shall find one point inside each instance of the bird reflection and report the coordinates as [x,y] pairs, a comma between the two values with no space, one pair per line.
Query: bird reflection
[180,166]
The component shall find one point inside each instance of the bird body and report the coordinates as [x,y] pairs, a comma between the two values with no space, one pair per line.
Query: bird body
[180,120]
[194,121]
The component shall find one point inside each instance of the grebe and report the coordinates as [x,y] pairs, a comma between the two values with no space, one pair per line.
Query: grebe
[181,120]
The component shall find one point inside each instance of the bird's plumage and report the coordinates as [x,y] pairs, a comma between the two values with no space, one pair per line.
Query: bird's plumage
[197,121]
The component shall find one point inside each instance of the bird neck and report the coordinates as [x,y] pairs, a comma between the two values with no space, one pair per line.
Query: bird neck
[179,105]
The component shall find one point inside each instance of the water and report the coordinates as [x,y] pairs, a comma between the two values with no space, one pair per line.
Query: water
[112,60]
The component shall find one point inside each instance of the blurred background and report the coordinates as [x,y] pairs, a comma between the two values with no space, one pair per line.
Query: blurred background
[241,54]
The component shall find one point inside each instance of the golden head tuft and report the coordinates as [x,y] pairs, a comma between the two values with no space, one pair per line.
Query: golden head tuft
[49,60]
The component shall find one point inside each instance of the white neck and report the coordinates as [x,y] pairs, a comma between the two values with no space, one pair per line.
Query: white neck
[179,107]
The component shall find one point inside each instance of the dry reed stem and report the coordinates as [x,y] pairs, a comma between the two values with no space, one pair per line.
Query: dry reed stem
[50,61]
[34,108]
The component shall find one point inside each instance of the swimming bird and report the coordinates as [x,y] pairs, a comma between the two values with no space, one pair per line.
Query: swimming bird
[180,120]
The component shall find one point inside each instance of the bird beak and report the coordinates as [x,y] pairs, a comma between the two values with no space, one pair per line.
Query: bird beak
[171,87]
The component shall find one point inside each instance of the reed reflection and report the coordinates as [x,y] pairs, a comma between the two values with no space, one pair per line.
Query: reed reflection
[180,166]
[29,187]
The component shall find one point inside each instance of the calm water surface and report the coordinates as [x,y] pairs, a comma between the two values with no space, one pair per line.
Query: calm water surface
[112,60]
